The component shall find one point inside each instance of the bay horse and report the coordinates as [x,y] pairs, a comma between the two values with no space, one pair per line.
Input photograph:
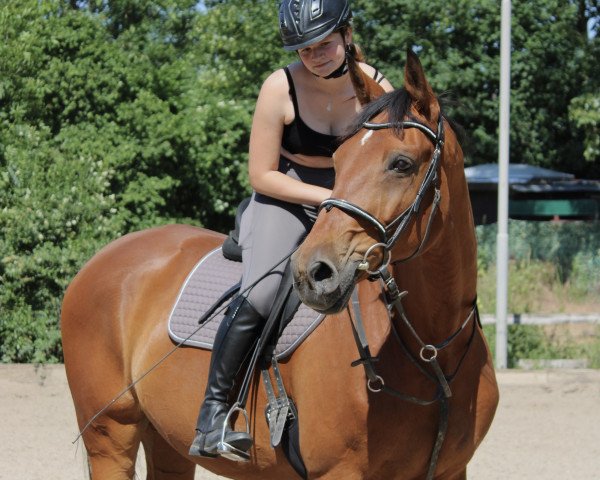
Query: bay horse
[114,336]
[400,213]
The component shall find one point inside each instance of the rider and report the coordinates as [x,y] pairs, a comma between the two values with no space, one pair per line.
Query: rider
[300,111]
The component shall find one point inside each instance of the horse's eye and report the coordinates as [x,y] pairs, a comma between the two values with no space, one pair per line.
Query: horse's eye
[400,164]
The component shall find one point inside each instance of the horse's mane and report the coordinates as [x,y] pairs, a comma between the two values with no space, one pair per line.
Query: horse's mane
[397,104]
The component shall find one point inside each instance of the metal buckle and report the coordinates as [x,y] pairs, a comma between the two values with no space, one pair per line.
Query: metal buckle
[377,379]
[279,408]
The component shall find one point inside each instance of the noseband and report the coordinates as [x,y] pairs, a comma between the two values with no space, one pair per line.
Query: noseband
[390,233]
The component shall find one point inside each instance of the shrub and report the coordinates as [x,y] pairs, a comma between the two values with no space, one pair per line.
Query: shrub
[533,342]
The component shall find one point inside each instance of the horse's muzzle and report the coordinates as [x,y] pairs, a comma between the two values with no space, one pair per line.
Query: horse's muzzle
[321,284]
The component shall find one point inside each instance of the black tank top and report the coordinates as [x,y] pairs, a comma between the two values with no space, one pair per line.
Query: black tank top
[300,138]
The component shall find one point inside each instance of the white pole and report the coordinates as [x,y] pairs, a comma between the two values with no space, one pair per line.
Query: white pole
[503,161]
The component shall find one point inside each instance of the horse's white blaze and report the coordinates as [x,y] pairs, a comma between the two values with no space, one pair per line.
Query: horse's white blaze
[366,137]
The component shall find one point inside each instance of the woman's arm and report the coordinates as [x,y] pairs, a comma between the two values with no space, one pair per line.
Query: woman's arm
[272,108]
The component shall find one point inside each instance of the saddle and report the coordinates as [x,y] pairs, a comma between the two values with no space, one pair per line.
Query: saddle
[231,248]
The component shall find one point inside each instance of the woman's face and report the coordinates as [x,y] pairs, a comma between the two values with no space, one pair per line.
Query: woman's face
[324,57]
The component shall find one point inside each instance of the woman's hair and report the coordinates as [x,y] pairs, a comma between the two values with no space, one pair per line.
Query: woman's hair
[352,49]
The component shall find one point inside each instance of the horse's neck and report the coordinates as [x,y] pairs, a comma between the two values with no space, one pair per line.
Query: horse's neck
[441,285]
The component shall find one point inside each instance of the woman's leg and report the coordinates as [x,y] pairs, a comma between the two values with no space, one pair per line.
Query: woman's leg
[270,231]
[235,337]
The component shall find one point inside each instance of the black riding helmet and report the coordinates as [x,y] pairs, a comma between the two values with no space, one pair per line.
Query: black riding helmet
[304,22]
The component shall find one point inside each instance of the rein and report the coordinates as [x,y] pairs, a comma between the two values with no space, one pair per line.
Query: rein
[389,235]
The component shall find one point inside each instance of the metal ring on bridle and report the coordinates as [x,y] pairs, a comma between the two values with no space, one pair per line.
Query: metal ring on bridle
[379,380]
[364,265]
[430,348]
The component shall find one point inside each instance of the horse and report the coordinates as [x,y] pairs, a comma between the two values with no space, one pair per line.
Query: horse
[400,214]
[130,387]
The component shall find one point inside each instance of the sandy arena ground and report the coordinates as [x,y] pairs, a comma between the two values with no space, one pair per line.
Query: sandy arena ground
[547,427]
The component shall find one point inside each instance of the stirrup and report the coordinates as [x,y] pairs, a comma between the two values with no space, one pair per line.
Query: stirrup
[227,450]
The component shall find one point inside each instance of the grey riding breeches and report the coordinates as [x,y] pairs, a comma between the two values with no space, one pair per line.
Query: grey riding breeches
[270,229]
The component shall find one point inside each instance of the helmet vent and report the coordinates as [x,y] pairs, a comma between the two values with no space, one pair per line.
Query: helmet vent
[316,9]
[295,9]
[303,22]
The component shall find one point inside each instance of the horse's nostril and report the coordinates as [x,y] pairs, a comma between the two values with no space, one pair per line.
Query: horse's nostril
[322,277]
[321,271]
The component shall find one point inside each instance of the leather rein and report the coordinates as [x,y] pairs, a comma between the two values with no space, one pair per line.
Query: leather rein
[389,235]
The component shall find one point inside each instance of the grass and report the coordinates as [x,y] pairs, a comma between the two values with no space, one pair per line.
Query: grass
[545,343]
[536,287]
[554,267]
[546,276]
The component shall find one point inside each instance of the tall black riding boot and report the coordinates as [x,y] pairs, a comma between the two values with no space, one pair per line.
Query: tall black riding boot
[236,335]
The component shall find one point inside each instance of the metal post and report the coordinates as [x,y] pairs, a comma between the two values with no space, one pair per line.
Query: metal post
[503,162]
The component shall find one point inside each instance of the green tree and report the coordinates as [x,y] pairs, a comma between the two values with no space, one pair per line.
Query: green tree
[459,47]
[116,115]
[584,110]
[104,130]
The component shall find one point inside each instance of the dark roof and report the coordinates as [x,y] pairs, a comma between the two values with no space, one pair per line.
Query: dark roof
[517,174]
[535,193]
[573,186]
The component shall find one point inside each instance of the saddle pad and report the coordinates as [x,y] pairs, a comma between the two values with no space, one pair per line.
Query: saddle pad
[208,280]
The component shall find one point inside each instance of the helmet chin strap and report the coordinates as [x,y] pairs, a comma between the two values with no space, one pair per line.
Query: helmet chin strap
[338,72]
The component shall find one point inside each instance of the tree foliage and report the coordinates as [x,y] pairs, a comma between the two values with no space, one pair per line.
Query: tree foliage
[554,58]
[117,115]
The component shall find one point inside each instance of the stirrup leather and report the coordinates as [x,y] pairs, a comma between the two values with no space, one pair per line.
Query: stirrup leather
[280,407]
[227,450]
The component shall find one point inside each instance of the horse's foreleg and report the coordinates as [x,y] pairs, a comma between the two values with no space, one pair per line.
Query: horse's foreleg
[112,449]
[163,461]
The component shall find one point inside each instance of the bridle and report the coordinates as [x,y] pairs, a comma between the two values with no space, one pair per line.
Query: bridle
[428,353]
[398,225]
[389,235]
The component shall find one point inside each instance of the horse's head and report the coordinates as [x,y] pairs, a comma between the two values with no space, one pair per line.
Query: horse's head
[391,196]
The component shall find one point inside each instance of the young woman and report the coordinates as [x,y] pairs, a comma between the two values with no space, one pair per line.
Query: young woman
[300,112]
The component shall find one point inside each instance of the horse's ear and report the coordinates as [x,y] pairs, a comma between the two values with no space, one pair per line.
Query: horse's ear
[366,88]
[419,89]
